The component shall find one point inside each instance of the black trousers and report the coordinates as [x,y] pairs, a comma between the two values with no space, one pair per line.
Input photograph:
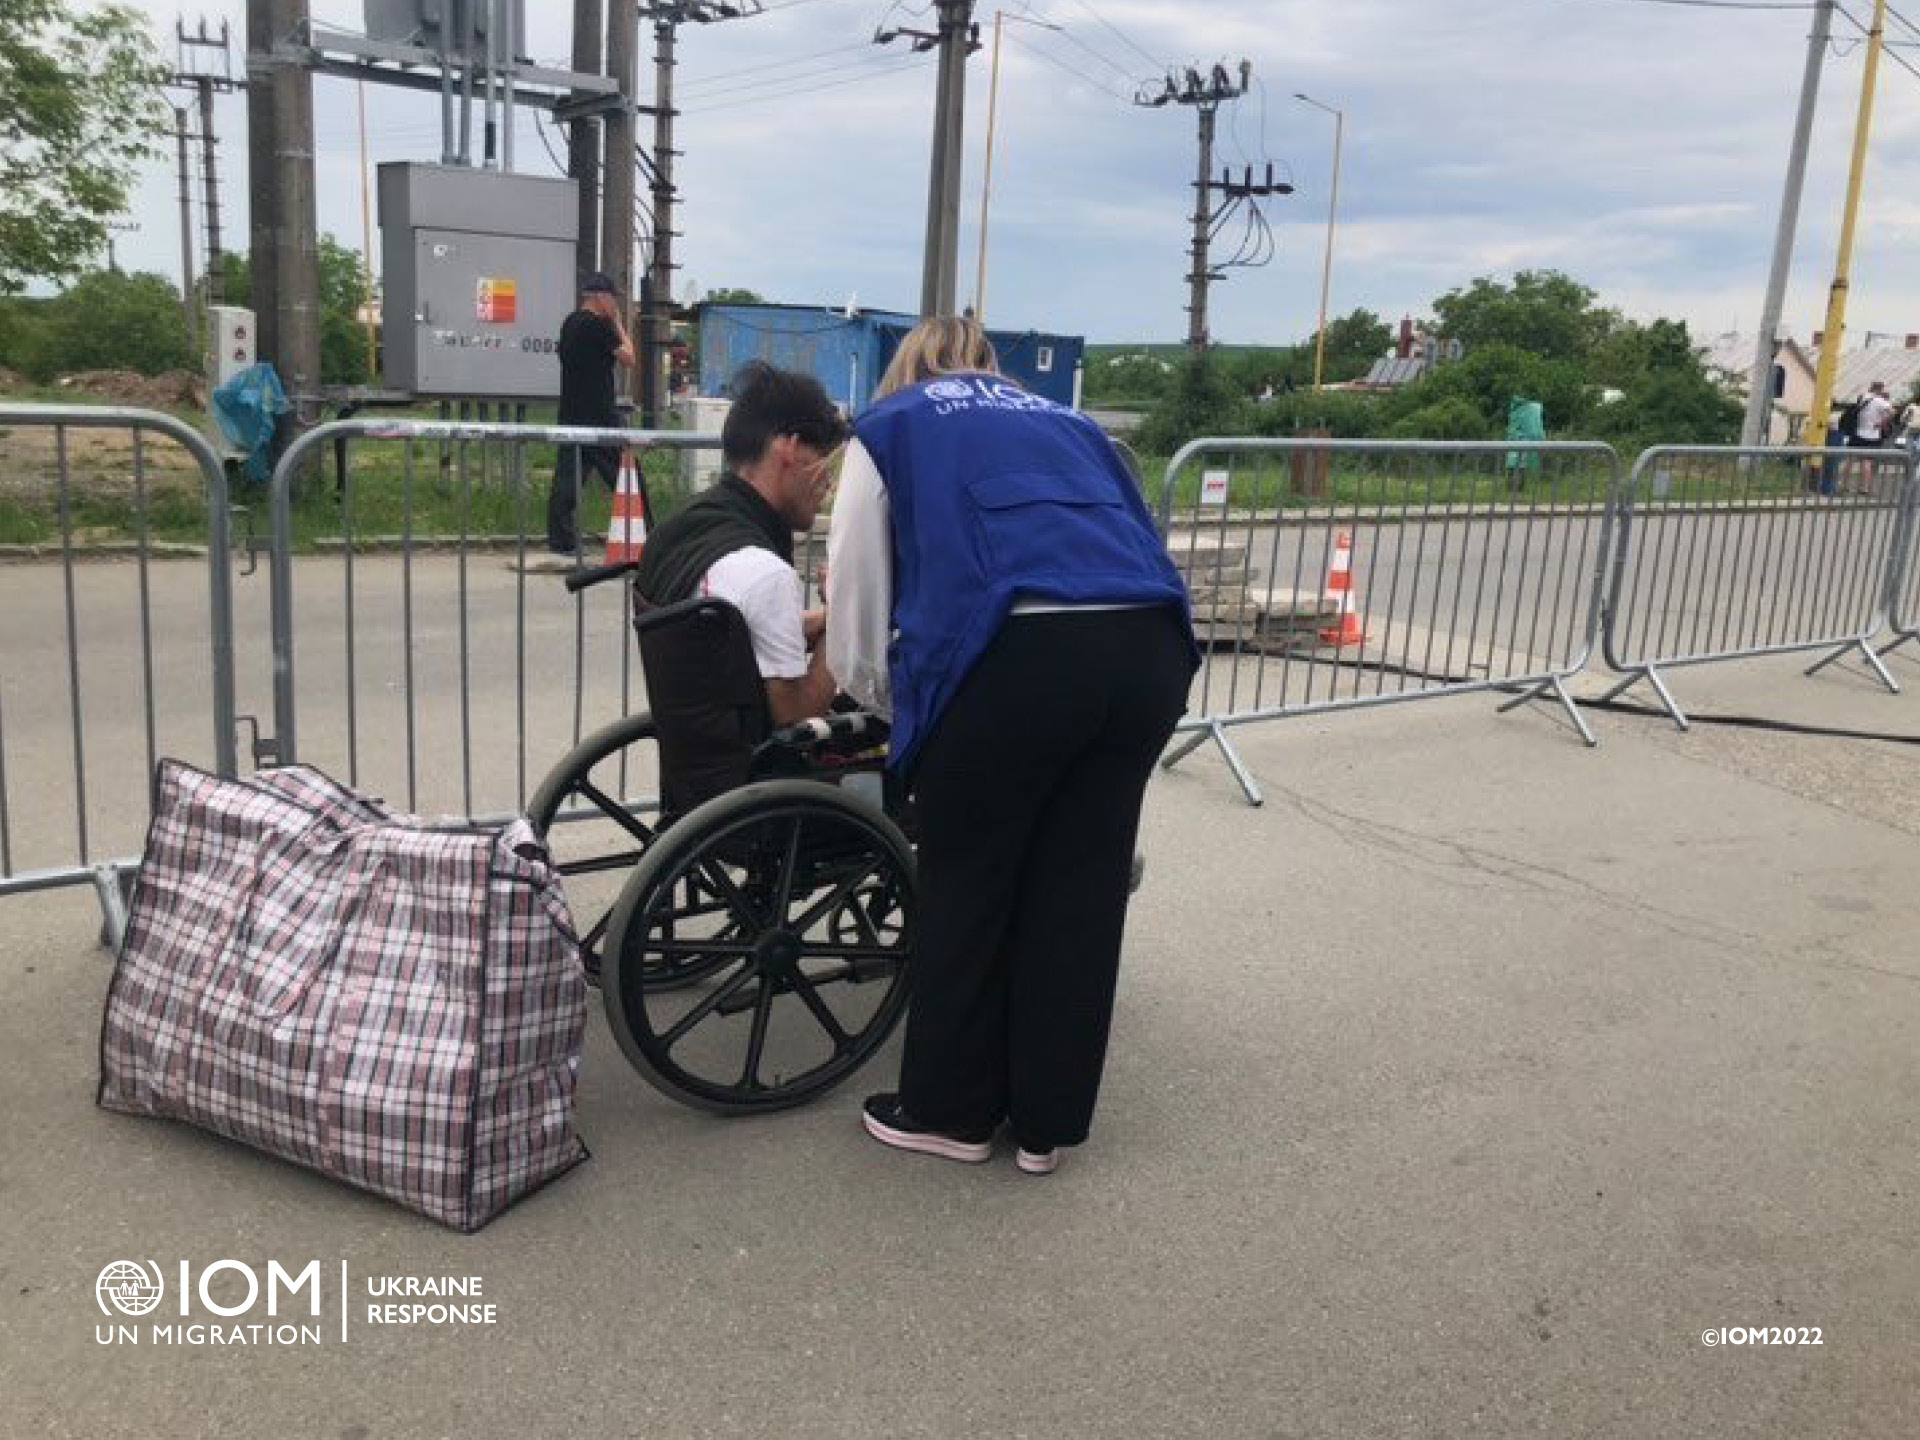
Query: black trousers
[573,466]
[1029,792]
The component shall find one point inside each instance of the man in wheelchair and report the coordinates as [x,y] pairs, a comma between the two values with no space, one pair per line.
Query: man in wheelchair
[734,545]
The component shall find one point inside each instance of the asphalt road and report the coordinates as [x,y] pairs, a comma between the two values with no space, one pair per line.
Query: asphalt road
[1455,1093]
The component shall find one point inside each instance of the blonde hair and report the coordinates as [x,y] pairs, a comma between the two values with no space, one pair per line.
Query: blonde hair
[942,345]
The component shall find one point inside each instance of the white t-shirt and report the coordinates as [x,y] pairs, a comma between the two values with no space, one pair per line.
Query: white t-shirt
[768,594]
[1874,411]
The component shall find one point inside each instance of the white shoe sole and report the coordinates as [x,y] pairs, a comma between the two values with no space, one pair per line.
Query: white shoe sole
[1044,1163]
[967,1152]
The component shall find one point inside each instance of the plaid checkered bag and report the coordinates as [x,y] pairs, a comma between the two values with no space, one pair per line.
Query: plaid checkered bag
[395,1003]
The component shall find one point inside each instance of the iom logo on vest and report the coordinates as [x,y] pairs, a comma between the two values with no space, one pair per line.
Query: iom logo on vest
[982,393]
[134,1288]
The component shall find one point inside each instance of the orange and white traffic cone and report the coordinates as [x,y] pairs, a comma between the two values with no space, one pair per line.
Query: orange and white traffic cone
[627,529]
[1340,584]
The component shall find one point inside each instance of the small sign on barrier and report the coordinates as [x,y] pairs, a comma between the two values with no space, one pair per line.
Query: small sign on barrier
[1213,486]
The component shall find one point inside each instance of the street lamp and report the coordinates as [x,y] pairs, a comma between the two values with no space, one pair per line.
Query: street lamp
[1000,17]
[1333,202]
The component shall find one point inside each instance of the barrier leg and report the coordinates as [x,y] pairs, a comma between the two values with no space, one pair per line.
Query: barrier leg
[1240,771]
[1213,730]
[1897,641]
[1873,660]
[1652,677]
[114,885]
[1559,690]
[1666,699]
[1832,655]
[1196,737]
[1886,675]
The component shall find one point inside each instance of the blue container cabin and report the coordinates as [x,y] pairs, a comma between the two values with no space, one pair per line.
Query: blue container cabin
[849,353]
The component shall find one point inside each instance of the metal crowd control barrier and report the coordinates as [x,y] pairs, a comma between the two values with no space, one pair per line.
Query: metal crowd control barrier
[1903,585]
[1337,574]
[441,662]
[1729,554]
[90,675]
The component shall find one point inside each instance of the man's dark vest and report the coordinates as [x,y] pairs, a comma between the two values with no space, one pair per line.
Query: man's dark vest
[731,516]
[702,685]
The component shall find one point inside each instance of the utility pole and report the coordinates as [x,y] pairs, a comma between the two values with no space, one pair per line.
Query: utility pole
[582,161]
[286,273]
[1000,18]
[263,190]
[196,69]
[657,298]
[1753,429]
[1206,93]
[656,323]
[617,158]
[956,37]
[1829,366]
[187,287]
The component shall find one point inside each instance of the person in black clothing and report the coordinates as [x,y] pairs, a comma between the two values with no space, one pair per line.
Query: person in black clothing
[593,340]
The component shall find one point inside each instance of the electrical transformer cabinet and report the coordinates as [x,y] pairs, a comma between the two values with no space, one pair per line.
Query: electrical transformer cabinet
[423,22]
[478,273]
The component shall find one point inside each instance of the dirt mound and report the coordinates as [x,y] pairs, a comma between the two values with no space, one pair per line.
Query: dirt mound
[174,389]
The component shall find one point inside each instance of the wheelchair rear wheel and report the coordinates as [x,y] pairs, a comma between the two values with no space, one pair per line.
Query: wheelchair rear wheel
[606,828]
[793,906]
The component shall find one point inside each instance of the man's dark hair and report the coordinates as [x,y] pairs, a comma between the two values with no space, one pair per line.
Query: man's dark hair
[769,402]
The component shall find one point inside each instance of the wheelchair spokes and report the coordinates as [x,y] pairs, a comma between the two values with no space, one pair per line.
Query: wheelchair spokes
[784,930]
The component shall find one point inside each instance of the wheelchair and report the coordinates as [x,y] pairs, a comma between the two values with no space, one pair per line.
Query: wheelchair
[751,936]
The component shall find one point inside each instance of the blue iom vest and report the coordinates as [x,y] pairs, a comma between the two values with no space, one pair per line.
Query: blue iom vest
[998,495]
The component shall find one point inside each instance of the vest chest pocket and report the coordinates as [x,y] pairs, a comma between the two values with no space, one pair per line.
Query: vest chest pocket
[1045,522]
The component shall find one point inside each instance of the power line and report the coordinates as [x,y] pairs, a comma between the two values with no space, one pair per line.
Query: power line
[1066,33]
[1154,63]
[1074,71]
[1729,4]
[771,65]
[1893,55]
[798,77]
[873,72]
[1911,27]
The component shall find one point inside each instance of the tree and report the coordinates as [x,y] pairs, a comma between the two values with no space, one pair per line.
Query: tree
[1198,402]
[343,288]
[108,320]
[732,296]
[1489,378]
[79,109]
[1542,311]
[1354,342]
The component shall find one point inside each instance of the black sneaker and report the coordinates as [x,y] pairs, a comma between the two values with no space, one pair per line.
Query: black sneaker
[888,1122]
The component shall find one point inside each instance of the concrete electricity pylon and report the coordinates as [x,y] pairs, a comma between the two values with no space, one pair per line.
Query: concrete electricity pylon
[1830,345]
[285,248]
[656,324]
[955,37]
[203,65]
[1753,429]
[1205,93]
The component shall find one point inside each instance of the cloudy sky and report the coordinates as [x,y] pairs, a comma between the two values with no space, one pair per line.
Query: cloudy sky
[1639,145]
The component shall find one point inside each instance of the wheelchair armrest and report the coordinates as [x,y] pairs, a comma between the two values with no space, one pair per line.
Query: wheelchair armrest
[856,729]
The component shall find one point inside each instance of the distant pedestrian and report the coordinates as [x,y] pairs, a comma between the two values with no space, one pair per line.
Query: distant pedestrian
[593,341]
[1526,423]
[1876,410]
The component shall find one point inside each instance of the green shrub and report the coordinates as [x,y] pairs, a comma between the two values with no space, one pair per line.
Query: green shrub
[108,320]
